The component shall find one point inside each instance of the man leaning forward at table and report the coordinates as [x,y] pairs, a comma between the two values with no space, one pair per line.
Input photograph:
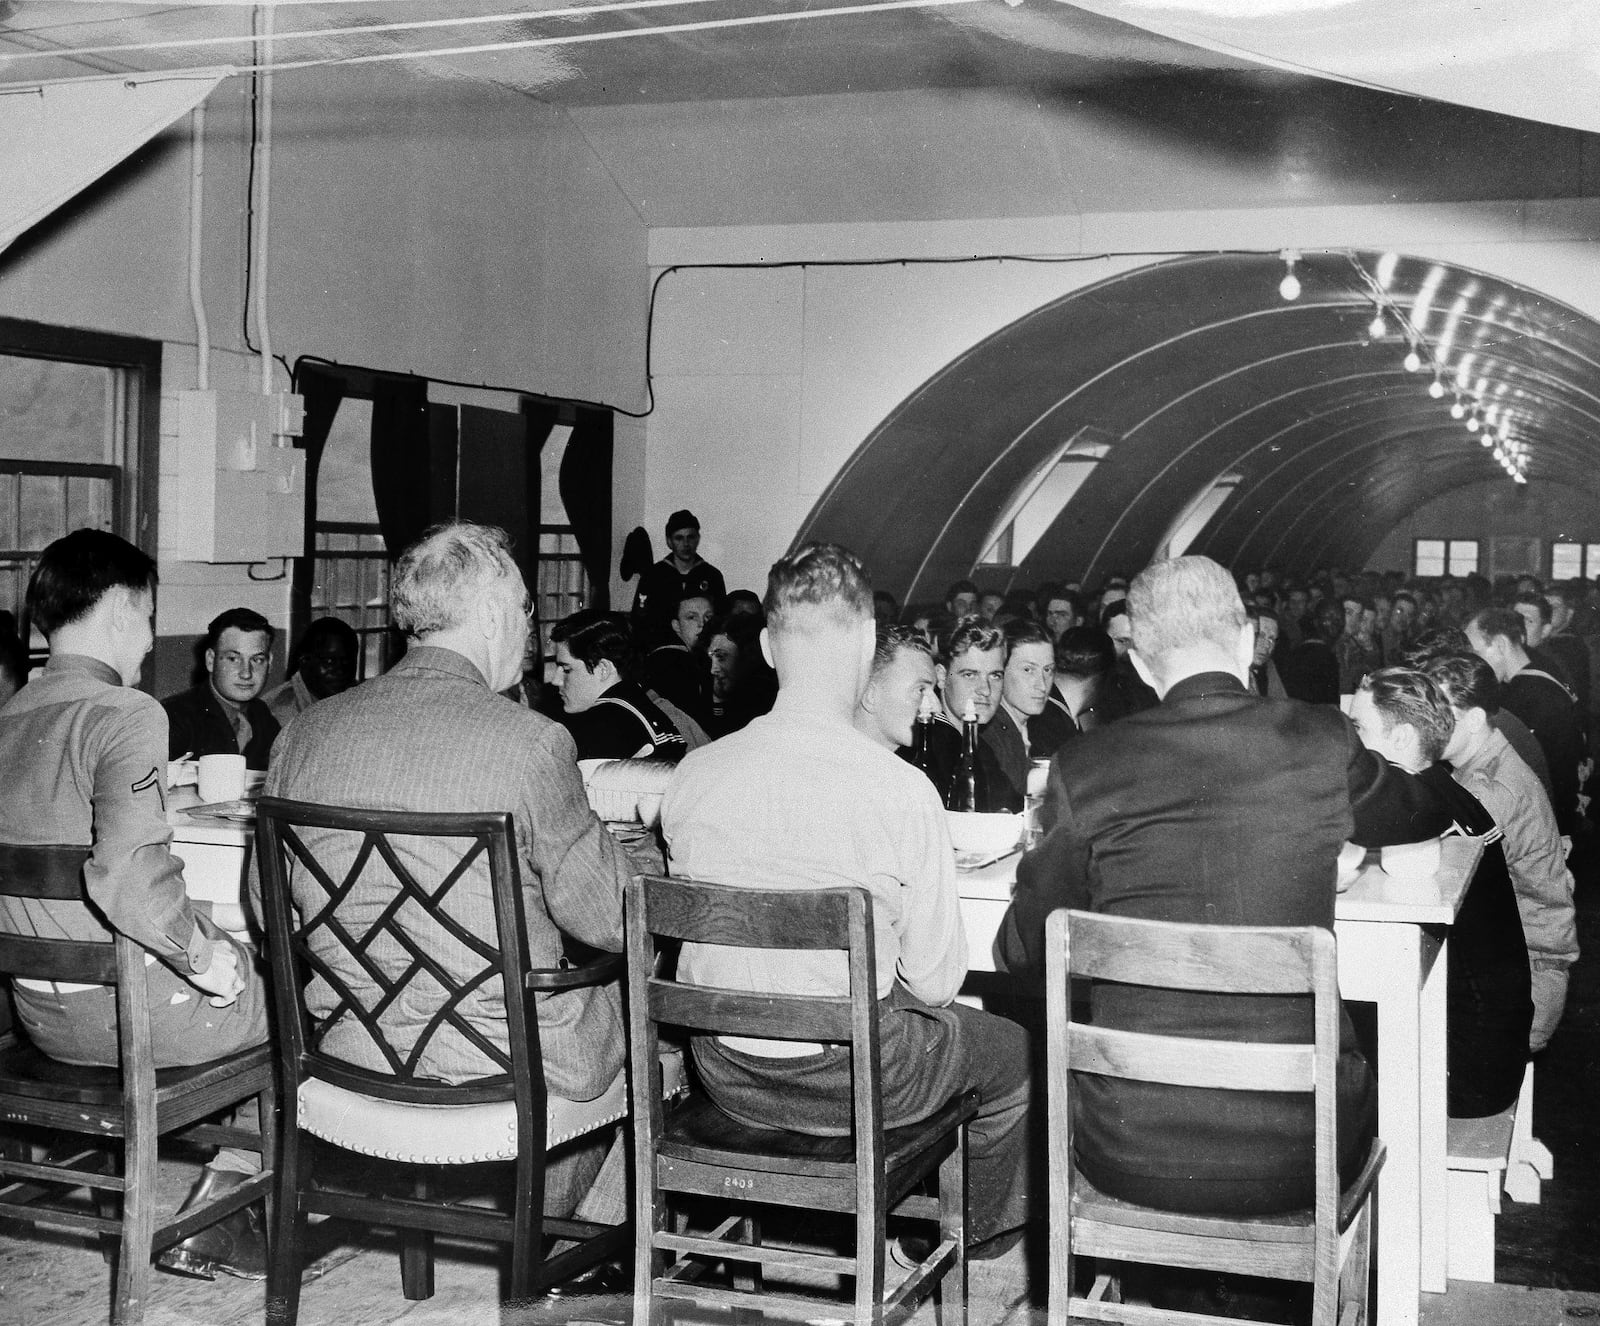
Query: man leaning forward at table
[802,799]
[83,759]
[434,734]
[1218,806]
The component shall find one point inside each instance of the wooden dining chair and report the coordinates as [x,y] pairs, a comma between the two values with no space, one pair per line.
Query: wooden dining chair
[691,1148]
[404,1116]
[1326,1245]
[119,1116]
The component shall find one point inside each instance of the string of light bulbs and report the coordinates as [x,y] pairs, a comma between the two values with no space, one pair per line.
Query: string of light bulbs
[1489,422]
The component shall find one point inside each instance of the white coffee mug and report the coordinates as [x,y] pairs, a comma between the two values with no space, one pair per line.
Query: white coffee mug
[221,777]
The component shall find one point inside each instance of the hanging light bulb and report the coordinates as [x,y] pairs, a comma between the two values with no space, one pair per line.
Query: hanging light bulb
[1413,361]
[1289,287]
[1377,328]
[1457,409]
[1472,424]
[1519,477]
[1436,388]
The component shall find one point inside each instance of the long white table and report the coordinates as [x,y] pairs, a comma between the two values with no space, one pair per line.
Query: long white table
[215,854]
[1392,953]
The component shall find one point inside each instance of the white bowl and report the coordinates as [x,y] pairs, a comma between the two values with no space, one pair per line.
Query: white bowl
[985,834]
[626,791]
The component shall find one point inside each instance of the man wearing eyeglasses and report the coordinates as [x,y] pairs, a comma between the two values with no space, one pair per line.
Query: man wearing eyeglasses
[224,714]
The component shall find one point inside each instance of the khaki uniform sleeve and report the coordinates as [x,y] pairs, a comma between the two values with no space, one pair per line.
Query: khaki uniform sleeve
[132,876]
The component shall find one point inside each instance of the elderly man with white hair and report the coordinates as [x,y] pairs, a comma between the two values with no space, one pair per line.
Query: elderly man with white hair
[1217,806]
[433,734]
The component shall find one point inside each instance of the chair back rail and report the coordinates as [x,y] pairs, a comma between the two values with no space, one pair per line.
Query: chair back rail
[48,870]
[371,966]
[1214,959]
[1180,1061]
[750,918]
[83,961]
[738,1012]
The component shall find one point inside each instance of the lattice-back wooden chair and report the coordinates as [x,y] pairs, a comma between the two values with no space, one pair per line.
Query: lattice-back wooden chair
[133,1103]
[403,1115]
[692,1147]
[1326,1245]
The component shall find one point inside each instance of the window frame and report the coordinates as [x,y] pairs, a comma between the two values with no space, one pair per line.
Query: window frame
[136,496]
[1447,567]
[1588,560]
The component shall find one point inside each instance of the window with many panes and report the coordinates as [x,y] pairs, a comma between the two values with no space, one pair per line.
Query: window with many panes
[78,438]
[1438,557]
[563,583]
[1574,561]
[350,563]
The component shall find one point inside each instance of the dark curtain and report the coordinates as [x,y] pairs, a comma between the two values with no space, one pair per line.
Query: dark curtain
[402,467]
[323,392]
[586,493]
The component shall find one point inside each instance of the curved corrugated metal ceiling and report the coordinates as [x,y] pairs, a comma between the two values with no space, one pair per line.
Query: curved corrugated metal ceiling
[1197,368]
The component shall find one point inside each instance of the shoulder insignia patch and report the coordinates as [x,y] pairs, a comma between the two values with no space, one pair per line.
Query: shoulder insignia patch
[147,782]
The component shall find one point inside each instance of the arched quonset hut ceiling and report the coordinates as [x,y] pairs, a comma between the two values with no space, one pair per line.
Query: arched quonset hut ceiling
[1197,368]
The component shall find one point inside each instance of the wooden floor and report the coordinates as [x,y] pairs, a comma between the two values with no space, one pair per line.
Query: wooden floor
[1548,1255]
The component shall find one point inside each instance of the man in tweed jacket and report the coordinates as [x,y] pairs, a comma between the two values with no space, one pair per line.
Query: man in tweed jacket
[432,734]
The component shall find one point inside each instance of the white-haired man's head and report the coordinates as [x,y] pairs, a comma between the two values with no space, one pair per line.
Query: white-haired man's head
[458,587]
[1187,617]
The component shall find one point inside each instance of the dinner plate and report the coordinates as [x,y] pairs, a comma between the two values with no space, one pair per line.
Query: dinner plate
[242,811]
[978,860]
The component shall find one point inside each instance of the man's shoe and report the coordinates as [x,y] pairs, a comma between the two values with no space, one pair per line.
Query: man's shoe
[235,1245]
[909,1251]
[606,1278]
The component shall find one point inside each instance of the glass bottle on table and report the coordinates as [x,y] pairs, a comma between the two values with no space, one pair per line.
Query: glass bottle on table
[969,790]
[922,736]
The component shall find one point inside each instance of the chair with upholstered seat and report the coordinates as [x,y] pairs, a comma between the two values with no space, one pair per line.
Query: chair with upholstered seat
[692,1148]
[1326,1245]
[405,1115]
[129,1109]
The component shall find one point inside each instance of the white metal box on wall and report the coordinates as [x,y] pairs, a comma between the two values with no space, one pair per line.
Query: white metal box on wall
[241,494]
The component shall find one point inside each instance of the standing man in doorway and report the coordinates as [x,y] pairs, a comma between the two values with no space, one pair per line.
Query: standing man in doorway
[224,714]
[677,576]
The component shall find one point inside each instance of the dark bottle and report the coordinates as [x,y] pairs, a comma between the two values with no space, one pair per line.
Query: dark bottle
[922,736]
[968,788]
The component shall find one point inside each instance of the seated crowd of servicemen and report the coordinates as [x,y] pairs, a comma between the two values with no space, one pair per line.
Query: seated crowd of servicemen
[1201,770]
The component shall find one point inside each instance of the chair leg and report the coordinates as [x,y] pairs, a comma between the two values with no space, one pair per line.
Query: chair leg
[651,1215]
[1353,1286]
[748,1279]
[950,1293]
[870,1235]
[416,1249]
[138,1222]
[286,1247]
[527,1230]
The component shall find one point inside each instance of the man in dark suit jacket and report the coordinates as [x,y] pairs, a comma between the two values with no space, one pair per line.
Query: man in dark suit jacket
[224,714]
[1222,807]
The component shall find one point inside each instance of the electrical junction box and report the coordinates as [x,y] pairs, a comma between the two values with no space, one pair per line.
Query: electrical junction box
[241,483]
